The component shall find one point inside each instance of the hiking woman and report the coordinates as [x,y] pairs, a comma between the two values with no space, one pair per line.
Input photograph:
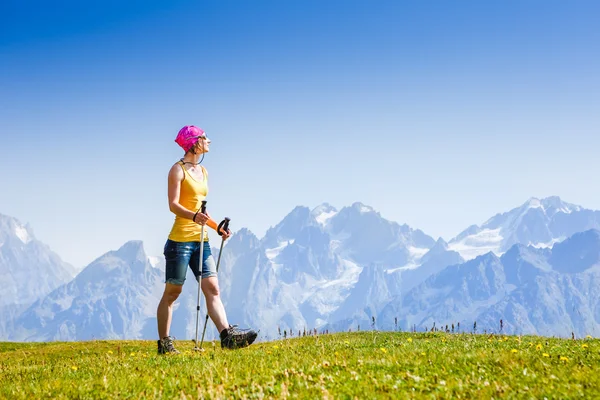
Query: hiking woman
[187,188]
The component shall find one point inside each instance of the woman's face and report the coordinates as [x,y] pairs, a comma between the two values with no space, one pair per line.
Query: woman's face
[204,143]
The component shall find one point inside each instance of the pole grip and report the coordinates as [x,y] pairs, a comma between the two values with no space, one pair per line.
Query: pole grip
[223,225]
[203,208]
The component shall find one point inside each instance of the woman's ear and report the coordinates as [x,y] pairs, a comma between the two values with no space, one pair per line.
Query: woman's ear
[195,148]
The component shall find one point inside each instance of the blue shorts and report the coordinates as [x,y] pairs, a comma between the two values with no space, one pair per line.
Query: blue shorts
[180,255]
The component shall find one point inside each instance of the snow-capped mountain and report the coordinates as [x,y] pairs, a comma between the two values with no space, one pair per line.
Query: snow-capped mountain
[113,297]
[379,284]
[374,289]
[436,259]
[330,269]
[360,233]
[533,290]
[313,263]
[538,222]
[29,269]
[323,213]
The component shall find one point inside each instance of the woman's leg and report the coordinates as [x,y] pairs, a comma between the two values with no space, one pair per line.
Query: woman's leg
[164,313]
[210,286]
[216,311]
[177,257]
[231,336]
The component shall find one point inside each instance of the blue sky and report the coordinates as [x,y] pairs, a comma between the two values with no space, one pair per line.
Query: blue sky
[438,114]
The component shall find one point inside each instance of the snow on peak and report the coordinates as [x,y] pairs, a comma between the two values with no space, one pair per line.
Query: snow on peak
[274,252]
[416,253]
[154,260]
[551,205]
[22,233]
[323,213]
[323,217]
[531,223]
[556,204]
[11,227]
[534,203]
[478,244]
[362,208]
[547,245]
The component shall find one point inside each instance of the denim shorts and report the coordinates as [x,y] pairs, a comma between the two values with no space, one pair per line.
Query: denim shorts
[180,255]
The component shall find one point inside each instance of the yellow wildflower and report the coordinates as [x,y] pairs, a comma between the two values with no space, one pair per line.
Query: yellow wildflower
[546,355]
[514,351]
[588,337]
[132,354]
[563,358]
[584,346]
[74,368]
[383,350]
[409,340]
[110,352]
[422,354]
[346,342]
[275,347]
[539,346]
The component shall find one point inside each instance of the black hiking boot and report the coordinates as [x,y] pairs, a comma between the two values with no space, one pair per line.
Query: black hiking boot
[235,338]
[165,346]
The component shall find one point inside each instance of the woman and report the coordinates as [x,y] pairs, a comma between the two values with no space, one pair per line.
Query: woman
[187,188]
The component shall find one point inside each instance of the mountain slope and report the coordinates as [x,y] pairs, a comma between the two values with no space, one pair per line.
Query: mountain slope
[538,222]
[533,290]
[29,269]
[113,297]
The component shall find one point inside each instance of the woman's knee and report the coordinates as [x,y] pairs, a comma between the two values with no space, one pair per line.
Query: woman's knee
[172,292]
[210,287]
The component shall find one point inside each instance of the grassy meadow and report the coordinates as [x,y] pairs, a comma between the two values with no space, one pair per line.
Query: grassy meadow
[359,365]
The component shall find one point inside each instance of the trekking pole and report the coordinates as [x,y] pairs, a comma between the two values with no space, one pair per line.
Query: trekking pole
[201,257]
[225,225]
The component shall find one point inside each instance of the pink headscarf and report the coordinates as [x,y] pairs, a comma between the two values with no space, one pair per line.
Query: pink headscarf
[188,136]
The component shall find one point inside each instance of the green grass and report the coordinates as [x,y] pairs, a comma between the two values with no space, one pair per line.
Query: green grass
[346,365]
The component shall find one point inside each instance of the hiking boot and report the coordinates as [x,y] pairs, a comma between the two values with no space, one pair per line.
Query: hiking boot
[235,338]
[165,346]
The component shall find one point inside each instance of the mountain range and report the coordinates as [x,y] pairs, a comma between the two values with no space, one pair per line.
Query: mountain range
[535,267]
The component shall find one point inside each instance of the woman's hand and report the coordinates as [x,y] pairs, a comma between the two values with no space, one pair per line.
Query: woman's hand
[225,234]
[201,219]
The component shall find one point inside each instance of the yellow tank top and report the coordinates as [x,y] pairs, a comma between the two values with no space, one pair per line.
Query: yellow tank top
[191,195]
